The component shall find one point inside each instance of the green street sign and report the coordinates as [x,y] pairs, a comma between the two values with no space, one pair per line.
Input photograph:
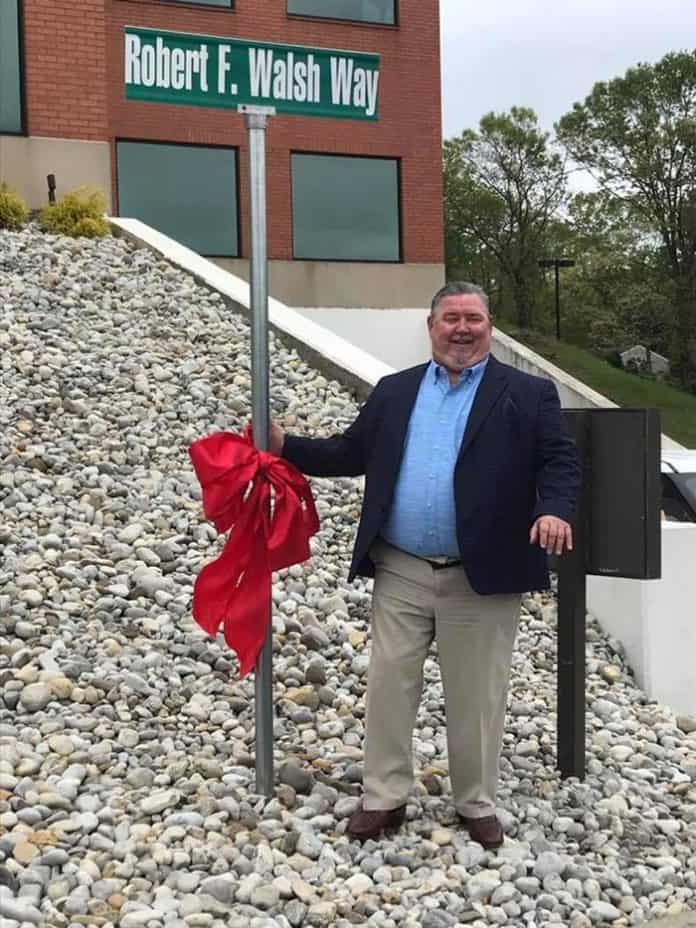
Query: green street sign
[201,70]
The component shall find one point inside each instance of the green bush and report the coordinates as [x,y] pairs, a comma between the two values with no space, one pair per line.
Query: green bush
[13,209]
[90,227]
[80,212]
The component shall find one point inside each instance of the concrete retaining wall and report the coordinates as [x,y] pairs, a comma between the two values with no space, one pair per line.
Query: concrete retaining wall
[26,161]
[655,620]
[347,283]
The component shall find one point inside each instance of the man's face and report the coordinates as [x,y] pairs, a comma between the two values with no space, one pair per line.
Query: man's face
[460,331]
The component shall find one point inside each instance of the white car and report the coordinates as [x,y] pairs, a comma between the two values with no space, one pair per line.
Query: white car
[678,485]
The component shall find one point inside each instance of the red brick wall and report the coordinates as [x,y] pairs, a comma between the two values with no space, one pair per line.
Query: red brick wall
[79,94]
[65,68]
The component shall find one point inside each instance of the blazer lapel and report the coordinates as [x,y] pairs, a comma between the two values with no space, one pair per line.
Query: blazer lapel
[408,386]
[493,383]
[394,428]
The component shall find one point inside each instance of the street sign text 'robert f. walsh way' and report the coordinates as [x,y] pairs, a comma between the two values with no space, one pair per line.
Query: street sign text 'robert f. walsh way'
[198,70]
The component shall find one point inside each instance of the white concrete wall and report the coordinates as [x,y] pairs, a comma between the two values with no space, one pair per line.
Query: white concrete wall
[346,283]
[396,336]
[26,160]
[655,620]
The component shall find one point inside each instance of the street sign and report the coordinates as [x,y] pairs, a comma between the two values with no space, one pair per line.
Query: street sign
[201,70]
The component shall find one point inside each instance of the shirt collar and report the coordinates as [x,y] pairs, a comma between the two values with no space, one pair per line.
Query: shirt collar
[437,371]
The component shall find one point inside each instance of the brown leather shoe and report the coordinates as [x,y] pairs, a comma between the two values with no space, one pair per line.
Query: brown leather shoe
[487,830]
[364,824]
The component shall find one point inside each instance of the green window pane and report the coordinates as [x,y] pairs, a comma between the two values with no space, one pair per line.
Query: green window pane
[186,192]
[10,95]
[365,11]
[345,208]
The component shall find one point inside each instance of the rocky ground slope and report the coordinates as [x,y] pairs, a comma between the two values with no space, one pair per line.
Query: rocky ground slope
[126,779]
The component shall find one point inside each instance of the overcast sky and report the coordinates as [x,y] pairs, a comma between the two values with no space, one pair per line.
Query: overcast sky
[547,55]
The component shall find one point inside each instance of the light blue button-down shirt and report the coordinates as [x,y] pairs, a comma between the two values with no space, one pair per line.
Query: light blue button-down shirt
[422,518]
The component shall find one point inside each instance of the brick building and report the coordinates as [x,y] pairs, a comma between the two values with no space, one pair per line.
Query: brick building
[354,206]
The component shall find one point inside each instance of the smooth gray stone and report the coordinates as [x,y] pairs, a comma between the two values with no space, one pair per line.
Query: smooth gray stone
[222,888]
[295,912]
[19,910]
[293,775]
[9,880]
[35,697]
[600,911]
[310,845]
[438,918]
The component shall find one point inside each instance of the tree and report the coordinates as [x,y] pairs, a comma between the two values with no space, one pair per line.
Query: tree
[637,136]
[618,294]
[502,186]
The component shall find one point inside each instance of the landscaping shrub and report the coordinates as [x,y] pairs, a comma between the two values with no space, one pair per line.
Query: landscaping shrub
[13,209]
[80,212]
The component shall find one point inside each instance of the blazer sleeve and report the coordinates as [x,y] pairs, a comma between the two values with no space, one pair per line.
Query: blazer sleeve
[558,469]
[341,455]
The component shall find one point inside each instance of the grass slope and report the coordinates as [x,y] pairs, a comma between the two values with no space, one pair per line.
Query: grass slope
[677,408]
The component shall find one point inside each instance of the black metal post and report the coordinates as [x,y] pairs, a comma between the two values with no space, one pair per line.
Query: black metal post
[572,623]
[557,263]
[571,665]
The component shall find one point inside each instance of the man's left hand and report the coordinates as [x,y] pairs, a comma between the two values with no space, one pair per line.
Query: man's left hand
[553,534]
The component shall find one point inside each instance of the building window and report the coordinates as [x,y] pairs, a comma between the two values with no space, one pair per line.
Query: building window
[345,208]
[226,3]
[10,77]
[187,192]
[363,11]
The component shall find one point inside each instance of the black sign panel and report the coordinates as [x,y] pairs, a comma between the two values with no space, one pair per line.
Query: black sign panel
[616,529]
[622,484]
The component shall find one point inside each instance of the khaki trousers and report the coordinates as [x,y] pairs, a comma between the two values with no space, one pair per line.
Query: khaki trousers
[412,605]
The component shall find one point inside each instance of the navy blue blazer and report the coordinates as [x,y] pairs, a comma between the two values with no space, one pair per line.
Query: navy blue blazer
[516,462]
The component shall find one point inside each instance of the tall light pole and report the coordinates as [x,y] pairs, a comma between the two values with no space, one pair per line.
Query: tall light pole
[555,263]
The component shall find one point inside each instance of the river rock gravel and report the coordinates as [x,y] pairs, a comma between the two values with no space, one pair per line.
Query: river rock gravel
[127,791]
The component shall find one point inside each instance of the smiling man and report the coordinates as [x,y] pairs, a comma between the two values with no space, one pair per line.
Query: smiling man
[470,480]
[460,330]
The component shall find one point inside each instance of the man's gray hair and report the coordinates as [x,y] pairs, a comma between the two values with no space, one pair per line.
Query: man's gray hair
[456,287]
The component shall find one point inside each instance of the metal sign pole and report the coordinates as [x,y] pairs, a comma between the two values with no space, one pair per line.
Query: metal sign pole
[255,120]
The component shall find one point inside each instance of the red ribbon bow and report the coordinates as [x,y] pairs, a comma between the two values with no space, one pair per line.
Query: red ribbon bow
[235,589]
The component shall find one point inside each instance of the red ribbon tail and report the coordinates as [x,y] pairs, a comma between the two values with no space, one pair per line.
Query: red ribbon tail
[245,626]
[215,588]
